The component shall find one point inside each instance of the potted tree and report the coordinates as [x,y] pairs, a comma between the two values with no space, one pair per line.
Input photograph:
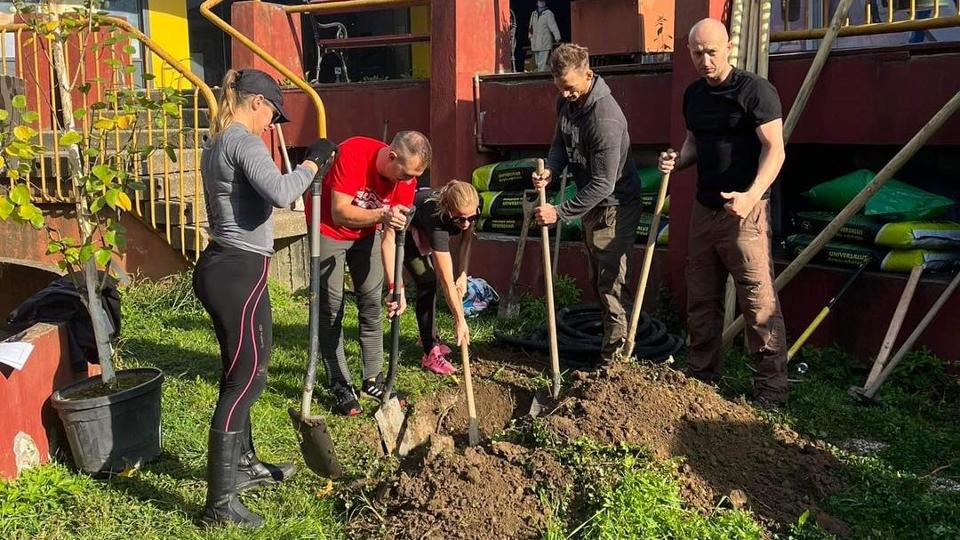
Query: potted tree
[112,421]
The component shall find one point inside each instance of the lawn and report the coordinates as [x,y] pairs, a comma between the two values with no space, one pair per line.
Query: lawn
[907,488]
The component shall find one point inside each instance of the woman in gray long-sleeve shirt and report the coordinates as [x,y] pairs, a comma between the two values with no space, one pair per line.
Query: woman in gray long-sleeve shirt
[242,185]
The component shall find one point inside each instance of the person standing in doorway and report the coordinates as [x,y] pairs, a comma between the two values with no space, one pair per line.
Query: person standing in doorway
[543,33]
[367,193]
[593,143]
[242,186]
[735,137]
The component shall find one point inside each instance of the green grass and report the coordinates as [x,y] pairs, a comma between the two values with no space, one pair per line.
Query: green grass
[622,493]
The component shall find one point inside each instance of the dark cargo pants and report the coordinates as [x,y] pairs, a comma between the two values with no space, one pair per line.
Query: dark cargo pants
[719,244]
[609,233]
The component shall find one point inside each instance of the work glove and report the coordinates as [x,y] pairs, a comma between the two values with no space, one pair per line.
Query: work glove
[322,153]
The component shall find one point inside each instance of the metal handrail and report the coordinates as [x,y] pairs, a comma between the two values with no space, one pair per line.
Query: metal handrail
[352,6]
[889,26]
[206,10]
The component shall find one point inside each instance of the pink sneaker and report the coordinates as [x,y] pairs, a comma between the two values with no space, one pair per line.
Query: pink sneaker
[434,361]
[444,350]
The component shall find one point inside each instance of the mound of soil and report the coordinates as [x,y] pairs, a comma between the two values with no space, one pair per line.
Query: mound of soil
[477,494]
[731,455]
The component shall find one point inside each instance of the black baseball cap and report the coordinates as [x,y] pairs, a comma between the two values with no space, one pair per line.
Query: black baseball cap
[254,81]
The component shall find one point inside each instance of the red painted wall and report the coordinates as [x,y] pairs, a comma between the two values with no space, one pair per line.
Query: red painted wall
[25,396]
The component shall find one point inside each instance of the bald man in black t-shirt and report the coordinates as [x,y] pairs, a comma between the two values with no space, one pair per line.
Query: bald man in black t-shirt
[735,136]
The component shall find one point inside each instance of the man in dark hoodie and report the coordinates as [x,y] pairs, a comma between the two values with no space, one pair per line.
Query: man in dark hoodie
[592,142]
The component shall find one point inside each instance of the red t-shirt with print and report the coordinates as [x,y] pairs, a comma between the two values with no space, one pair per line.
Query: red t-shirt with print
[354,173]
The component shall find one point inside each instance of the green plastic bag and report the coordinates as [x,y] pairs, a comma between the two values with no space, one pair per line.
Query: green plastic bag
[663,233]
[903,234]
[505,176]
[508,204]
[887,260]
[895,201]
[650,178]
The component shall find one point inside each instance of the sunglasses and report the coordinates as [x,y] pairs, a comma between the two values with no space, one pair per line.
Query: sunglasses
[276,113]
[460,220]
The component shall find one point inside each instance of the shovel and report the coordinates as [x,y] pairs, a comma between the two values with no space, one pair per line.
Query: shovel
[315,442]
[474,429]
[626,350]
[510,308]
[390,416]
[544,400]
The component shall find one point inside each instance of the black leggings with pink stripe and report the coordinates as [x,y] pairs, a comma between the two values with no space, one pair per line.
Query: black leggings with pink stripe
[232,286]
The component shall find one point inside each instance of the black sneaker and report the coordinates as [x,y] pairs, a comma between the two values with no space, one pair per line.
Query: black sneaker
[377,387]
[345,399]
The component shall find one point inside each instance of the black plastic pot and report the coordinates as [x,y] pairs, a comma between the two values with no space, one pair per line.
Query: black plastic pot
[111,433]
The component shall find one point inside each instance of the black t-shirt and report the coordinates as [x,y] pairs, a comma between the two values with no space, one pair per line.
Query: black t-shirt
[724,119]
[434,225]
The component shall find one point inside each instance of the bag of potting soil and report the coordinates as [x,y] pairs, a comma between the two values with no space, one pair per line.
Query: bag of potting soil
[904,234]
[505,175]
[647,200]
[507,204]
[895,201]
[650,179]
[888,260]
[643,230]
[513,227]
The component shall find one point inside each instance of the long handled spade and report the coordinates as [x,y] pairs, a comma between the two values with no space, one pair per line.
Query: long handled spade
[826,310]
[474,430]
[542,400]
[315,442]
[626,351]
[390,416]
[509,308]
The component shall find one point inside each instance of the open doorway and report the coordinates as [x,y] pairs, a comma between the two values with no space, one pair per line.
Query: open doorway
[522,10]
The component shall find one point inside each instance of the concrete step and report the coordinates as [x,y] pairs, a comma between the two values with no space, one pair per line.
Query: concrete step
[157,212]
[189,241]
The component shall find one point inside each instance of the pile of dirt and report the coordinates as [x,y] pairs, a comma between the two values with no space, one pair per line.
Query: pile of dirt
[483,492]
[730,454]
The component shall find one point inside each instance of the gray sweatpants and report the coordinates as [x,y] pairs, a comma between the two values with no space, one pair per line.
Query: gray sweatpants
[366,268]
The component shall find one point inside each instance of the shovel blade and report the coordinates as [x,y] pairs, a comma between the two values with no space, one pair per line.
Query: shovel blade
[316,445]
[390,419]
[543,403]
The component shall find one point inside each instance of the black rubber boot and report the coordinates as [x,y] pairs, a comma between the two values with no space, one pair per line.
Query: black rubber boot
[223,506]
[251,472]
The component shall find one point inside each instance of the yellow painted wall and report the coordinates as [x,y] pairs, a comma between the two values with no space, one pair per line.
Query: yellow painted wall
[167,26]
[420,23]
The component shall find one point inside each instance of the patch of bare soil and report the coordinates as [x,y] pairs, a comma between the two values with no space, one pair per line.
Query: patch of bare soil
[479,493]
[731,455]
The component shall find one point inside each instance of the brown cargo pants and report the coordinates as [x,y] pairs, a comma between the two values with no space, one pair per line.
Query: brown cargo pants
[609,233]
[721,243]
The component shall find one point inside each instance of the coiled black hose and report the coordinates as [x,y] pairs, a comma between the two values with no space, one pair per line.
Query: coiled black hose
[580,334]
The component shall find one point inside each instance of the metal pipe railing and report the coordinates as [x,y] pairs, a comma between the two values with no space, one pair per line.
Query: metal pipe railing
[206,9]
[888,26]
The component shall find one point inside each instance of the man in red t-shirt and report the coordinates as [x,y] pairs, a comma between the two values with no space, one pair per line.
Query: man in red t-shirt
[365,196]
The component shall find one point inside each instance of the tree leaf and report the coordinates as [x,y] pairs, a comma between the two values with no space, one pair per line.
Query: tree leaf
[104,256]
[6,208]
[24,133]
[37,220]
[86,252]
[171,153]
[171,109]
[125,121]
[103,172]
[70,138]
[20,194]
[79,114]
[129,49]
[111,197]
[123,201]
[19,102]
[4,115]
[104,123]
[30,117]
[3,162]
[54,247]
[27,211]
[97,205]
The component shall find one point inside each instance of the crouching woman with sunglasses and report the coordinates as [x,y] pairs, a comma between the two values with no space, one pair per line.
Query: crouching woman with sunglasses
[441,213]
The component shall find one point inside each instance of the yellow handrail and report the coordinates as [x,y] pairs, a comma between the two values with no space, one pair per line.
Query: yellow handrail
[206,10]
